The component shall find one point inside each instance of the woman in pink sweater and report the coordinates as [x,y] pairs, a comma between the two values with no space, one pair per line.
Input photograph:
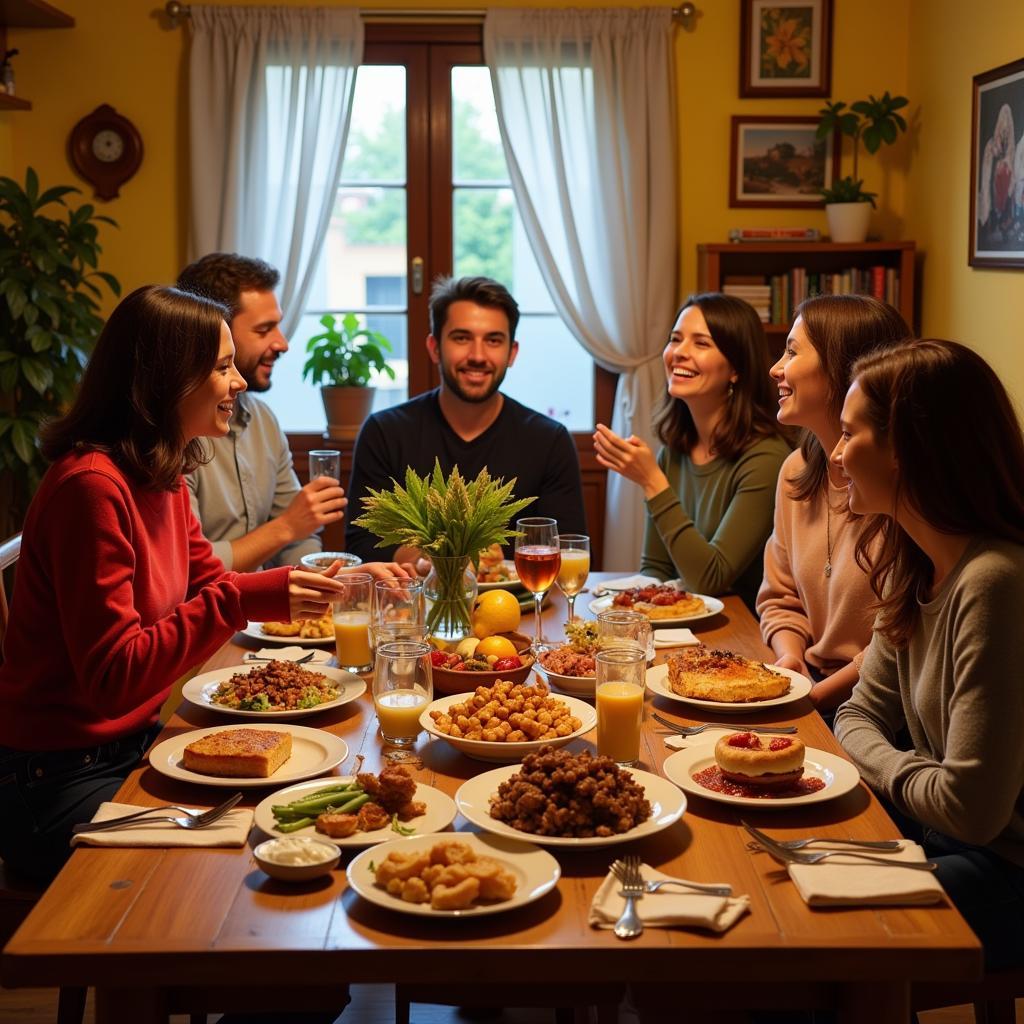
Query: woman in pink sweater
[117,592]
[815,603]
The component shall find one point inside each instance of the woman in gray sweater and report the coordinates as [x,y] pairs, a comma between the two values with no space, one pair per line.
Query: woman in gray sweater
[931,447]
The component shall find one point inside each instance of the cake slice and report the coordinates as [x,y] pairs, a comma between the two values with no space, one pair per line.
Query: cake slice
[239,753]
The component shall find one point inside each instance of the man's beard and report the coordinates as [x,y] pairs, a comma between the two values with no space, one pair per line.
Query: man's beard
[452,384]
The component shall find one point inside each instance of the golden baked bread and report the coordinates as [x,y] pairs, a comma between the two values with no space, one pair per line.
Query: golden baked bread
[706,674]
[239,753]
[767,761]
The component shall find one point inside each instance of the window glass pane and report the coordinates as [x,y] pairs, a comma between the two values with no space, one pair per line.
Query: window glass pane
[553,372]
[362,266]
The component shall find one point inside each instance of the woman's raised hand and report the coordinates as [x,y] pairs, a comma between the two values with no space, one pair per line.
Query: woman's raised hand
[310,593]
[631,457]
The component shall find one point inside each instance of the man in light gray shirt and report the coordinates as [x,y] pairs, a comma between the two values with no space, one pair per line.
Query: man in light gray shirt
[247,498]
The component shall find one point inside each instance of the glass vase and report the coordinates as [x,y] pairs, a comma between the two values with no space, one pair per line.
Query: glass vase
[450,590]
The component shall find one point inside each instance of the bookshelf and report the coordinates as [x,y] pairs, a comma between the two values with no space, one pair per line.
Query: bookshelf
[27,14]
[811,262]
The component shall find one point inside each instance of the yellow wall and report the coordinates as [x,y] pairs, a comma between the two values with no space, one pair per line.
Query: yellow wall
[120,53]
[981,307]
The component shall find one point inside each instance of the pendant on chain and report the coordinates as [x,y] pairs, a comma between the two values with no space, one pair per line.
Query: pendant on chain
[828,569]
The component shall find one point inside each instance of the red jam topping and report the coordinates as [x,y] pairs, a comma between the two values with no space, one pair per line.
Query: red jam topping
[747,740]
[780,743]
[712,779]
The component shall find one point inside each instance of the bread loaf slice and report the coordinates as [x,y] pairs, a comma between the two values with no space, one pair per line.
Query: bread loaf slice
[239,753]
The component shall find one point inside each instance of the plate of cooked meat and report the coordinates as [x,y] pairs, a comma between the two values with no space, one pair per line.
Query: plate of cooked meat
[549,800]
[725,682]
[316,632]
[277,689]
[462,875]
[356,811]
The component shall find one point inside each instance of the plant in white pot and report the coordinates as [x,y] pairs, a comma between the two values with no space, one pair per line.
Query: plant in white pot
[875,122]
[343,360]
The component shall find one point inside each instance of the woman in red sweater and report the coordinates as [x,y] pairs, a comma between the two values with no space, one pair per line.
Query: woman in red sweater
[117,592]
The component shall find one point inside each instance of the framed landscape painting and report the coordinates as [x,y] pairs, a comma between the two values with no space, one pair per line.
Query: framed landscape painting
[786,49]
[997,168]
[778,162]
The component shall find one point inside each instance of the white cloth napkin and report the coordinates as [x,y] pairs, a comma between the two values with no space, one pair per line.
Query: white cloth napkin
[670,907]
[628,582]
[709,737]
[846,881]
[231,830]
[675,638]
[320,657]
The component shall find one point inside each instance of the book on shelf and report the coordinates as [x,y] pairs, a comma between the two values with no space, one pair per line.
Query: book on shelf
[774,235]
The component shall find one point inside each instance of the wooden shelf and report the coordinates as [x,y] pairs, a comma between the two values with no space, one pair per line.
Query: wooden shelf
[13,102]
[33,14]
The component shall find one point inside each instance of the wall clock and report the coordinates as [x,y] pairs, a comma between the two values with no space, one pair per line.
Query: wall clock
[105,149]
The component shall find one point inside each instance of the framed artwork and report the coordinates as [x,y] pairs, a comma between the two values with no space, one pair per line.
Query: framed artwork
[785,49]
[777,162]
[997,168]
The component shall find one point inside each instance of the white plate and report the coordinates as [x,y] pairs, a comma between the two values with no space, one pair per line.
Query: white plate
[577,686]
[513,584]
[440,813]
[474,802]
[800,686]
[838,775]
[483,750]
[313,753]
[712,606]
[201,689]
[253,630]
[536,871]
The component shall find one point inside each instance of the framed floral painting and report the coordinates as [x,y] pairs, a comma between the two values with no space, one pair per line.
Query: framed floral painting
[786,49]
[997,168]
[779,162]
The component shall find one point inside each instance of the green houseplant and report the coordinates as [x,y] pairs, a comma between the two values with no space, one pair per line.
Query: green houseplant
[873,122]
[342,360]
[49,322]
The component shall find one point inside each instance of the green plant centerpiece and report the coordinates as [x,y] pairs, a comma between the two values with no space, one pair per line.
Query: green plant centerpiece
[451,521]
[49,322]
[873,121]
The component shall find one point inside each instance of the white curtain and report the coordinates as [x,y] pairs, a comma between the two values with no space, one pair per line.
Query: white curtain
[270,100]
[586,111]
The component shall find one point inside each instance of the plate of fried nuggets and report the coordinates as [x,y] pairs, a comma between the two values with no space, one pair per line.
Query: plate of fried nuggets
[462,875]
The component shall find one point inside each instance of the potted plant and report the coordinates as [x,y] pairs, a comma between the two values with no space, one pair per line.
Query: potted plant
[49,322]
[342,360]
[875,122]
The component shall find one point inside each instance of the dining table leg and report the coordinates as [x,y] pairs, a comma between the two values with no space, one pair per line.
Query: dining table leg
[881,1002]
[131,1006]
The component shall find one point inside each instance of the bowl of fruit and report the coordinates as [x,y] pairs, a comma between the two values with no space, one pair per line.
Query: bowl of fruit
[475,662]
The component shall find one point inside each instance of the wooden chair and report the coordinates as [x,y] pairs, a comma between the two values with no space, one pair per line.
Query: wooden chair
[993,998]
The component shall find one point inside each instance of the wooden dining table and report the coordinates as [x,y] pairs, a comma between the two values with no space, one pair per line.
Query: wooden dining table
[171,929]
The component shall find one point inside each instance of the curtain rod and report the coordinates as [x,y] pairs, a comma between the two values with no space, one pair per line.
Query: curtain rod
[176,11]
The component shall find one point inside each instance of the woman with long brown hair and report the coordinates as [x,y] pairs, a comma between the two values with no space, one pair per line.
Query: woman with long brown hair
[118,593]
[931,448]
[711,488]
[815,601]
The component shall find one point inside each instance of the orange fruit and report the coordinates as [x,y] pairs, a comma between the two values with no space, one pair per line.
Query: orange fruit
[499,646]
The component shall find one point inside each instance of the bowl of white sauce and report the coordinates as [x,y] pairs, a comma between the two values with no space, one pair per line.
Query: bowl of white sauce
[297,858]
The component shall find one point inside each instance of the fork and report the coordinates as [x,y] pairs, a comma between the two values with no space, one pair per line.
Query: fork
[784,856]
[709,890]
[799,844]
[189,820]
[692,730]
[295,661]
[627,871]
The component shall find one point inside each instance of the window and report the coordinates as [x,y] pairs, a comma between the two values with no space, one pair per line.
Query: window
[425,184]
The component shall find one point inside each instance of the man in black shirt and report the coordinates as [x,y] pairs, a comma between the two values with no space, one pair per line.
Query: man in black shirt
[467,422]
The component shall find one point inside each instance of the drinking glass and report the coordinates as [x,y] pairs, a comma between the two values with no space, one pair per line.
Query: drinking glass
[325,463]
[622,627]
[537,559]
[575,567]
[402,688]
[351,611]
[398,611]
[619,693]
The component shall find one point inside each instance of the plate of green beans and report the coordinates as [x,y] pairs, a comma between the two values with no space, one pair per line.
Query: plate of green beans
[293,811]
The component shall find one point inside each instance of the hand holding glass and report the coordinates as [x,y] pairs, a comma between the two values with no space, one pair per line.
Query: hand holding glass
[351,612]
[538,558]
[402,688]
[620,703]
[325,463]
[398,611]
[575,566]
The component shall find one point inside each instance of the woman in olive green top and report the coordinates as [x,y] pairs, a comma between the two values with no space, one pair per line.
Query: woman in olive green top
[710,491]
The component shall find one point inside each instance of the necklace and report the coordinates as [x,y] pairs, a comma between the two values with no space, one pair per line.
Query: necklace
[828,537]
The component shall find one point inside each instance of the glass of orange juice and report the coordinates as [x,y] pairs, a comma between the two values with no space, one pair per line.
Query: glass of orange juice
[351,612]
[402,688]
[575,567]
[620,702]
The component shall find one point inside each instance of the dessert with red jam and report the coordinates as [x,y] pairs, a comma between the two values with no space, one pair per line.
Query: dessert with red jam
[766,762]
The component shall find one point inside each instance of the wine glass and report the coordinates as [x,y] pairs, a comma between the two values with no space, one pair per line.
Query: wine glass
[538,558]
[572,573]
